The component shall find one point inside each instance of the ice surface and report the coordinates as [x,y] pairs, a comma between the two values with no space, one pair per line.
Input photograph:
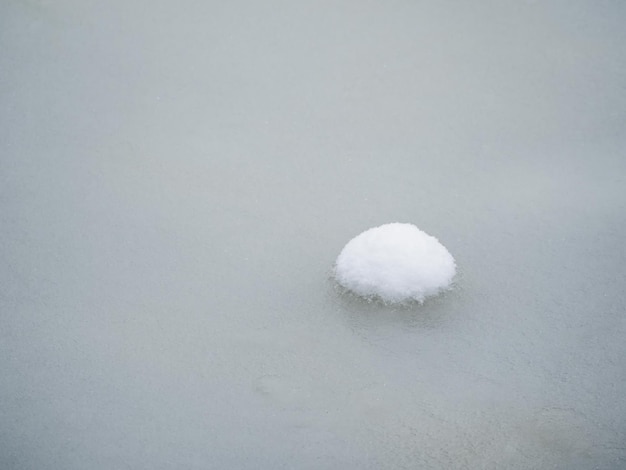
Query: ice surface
[395,262]
[178,177]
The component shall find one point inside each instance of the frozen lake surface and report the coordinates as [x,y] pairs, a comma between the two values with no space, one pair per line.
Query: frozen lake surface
[177,179]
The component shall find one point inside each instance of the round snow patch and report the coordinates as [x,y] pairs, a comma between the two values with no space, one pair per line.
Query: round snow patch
[396,263]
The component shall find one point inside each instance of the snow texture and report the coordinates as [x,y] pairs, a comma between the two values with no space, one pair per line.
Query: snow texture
[396,263]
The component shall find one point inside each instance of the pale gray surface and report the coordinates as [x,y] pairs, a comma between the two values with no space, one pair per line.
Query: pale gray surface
[177,178]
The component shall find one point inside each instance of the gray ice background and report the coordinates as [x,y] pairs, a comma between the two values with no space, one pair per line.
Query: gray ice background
[177,178]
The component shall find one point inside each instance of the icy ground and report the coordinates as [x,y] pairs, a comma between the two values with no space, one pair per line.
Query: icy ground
[178,178]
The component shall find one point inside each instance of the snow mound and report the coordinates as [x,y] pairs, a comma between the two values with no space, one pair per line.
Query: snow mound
[396,263]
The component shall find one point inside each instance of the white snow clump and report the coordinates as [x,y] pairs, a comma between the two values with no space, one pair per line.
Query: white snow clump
[395,263]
